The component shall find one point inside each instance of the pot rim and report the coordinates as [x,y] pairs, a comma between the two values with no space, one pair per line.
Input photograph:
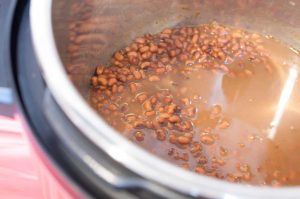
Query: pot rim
[115,145]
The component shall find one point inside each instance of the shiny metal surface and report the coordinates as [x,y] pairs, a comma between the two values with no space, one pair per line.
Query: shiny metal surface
[115,23]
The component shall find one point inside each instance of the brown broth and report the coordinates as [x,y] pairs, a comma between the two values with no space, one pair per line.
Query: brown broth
[225,104]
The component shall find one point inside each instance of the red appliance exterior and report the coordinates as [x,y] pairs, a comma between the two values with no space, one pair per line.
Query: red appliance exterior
[25,171]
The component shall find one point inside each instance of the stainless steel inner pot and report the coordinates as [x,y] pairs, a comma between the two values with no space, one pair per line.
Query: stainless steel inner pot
[72,37]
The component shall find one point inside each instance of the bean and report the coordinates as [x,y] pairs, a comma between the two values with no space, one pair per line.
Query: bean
[144,49]
[184,157]
[155,125]
[197,55]
[153,100]
[224,124]
[186,126]
[102,81]
[147,105]
[183,140]
[163,35]
[178,43]
[207,139]
[129,77]
[112,107]
[172,53]
[114,88]
[164,60]
[132,54]
[117,63]
[146,55]
[133,87]
[153,48]
[199,170]
[160,70]
[195,38]
[235,47]
[120,88]
[94,81]
[119,56]
[165,115]
[174,119]
[99,69]
[137,75]
[248,72]
[216,110]
[202,160]
[154,78]
[171,108]
[160,50]
[244,168]
[167,31]
[185,166]
[161,134]
[242,145]
[139,136]
[185,101]
[221,162]
[189,30]
[150,113]
[190,111]
[142,97]
[169,125]
[140,40]
[173,139]
[112,81]
[167,99]
[145,65]
[108,93]
[196,147]
[183,57]
[163,45]
[161,109]
[127,49]
[247,176]
[223,151]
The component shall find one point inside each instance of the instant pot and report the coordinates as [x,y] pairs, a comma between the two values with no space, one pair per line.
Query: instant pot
[46,65]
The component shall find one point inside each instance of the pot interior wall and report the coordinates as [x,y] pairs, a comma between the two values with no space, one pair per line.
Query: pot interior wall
[87,32]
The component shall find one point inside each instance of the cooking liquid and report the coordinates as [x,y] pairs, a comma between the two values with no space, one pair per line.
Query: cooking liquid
[246,121]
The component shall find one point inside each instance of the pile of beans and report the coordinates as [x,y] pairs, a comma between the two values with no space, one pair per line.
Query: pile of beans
[130,92]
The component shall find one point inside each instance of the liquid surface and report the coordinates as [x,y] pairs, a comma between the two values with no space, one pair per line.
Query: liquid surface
[215,100]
